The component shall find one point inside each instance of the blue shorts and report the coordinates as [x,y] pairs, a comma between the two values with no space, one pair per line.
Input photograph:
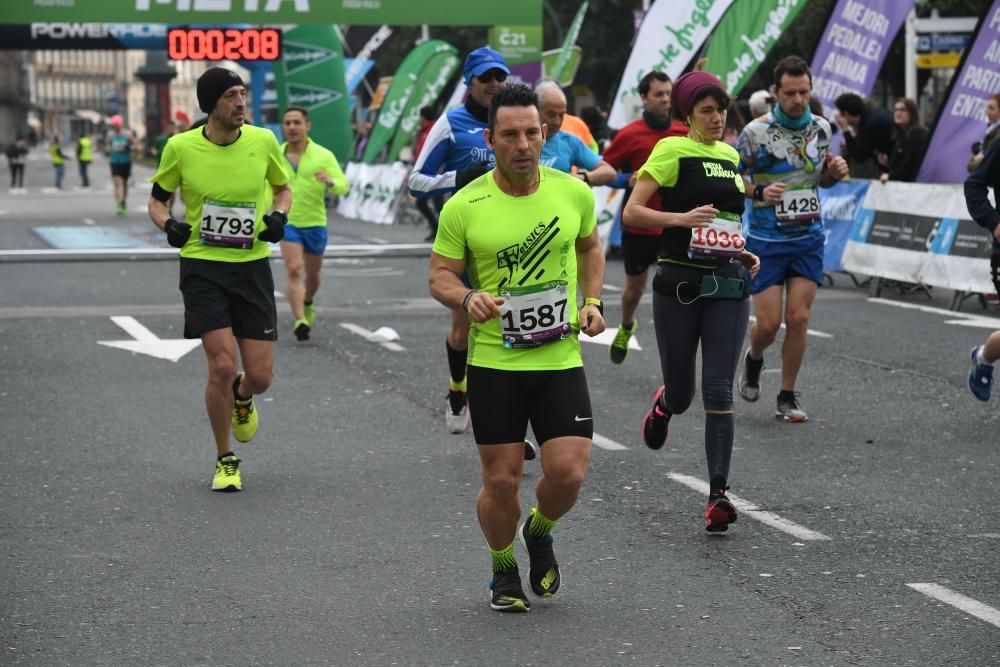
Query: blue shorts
[312,239]
[780,260]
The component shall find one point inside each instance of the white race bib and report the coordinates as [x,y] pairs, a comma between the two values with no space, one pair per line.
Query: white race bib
[722,238]
[798,208]
[535,315]
[228,224]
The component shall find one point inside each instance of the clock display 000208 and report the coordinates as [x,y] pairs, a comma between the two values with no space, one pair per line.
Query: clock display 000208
[224,44]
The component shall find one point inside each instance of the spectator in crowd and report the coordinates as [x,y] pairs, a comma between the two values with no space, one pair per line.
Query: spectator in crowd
[910,143]
[84,156]
[596,119]
[760,103]
[17,155]
[429,207]
[992,132]
[867,132]
[736,120]
[58,160]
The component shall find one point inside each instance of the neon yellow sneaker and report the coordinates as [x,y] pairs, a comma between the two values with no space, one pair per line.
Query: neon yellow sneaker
[227,474]
[244,415]
[310,314]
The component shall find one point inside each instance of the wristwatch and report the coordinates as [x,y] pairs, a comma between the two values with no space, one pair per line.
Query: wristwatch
[591,301]
[585,176]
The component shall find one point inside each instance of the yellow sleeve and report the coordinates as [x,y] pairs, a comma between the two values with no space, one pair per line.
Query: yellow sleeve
[340,185]
[450,239]
[168,174]
[277,165]
[662,165]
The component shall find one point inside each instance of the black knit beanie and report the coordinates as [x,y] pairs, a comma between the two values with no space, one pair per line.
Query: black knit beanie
[213,83]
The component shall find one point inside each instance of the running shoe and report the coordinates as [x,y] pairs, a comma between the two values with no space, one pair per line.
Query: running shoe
[720,512]
[506,592]
[121,209]
[310,314]
[543,575]
[457,413]
[302,329]
[749,384]
[789,410]
[619,346]
[656,423]
[980,377]
[227,474]
[530,450]
[245,416]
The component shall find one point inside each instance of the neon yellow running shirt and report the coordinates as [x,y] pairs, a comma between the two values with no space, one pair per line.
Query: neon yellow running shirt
[521,244]
[232,183]
[307,192]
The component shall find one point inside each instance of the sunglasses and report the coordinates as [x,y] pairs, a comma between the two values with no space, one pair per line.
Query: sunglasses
[489,76]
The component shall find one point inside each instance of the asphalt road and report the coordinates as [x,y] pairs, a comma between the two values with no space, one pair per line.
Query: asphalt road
[355,542]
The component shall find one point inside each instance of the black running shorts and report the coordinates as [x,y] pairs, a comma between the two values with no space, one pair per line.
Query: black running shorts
[236,295]
[122,170]
[501,403]
[640,252]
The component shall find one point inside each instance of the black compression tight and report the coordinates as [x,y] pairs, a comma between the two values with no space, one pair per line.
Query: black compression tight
[720,326]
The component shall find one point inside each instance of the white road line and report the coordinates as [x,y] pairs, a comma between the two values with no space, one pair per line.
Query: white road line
[968,605]
[607,443]
[811,332]
[963,319]
[752,511]
[367,335]
[612,288]
[88,221]
[375,239]
[607,337]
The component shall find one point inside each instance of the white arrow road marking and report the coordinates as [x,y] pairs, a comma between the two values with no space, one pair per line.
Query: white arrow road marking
[968,605]
[371,337]
[607,337]
[811,332]
[607,443]
[146,342]
[751,510]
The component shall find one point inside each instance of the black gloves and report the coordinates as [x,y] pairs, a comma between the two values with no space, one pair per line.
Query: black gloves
[275,221]
[177,232]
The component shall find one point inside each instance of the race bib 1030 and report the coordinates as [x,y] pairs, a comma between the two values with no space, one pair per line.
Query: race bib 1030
[722,238]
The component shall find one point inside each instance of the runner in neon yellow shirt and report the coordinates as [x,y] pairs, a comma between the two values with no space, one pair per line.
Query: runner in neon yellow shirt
[227,172]
[314,169]
[528,236]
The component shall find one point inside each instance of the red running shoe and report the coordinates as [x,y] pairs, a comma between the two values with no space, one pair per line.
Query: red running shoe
[720,512]
[656,423]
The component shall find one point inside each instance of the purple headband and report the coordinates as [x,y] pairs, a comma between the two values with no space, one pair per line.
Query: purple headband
[688,86]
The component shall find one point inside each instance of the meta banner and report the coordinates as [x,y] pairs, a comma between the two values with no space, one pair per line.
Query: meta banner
[962,121]
[300,12]
[854,45]
[671,34]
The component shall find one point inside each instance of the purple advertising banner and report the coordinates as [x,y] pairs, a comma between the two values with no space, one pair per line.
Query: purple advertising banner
[963,117]
[854,44]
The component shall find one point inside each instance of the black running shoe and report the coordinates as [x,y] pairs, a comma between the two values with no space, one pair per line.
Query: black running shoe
[543,576]
[720,512]
[749,384]
[656,424]
[507,594]
[301,330]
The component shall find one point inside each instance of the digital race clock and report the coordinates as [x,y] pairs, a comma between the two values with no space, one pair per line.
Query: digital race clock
[224,44]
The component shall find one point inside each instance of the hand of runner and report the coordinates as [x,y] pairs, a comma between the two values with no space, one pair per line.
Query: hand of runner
[700,217]
[323,177]
[484,306]
[750,262]
[591,320]
[177,232]
[275,231]
[837,166]
[772,193]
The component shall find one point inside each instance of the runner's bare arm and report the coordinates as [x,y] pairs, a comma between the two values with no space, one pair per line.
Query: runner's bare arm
[282,197]
[158,212]
[602,174]
[446,286]
[590,272]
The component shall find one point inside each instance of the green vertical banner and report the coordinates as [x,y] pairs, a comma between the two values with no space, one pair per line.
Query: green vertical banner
[430,82]
[561,68]
[745,35]
[311,75]
[398,96]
